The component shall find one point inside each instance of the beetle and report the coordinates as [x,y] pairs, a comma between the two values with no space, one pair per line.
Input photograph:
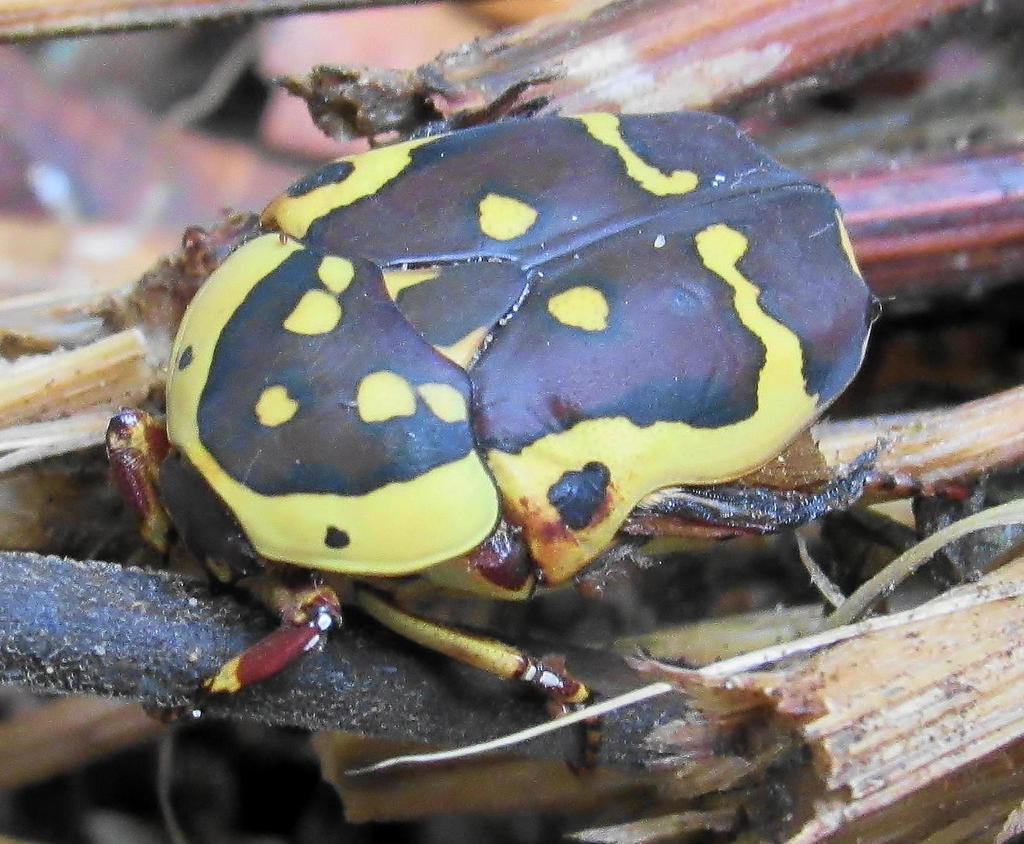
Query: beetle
[467,357]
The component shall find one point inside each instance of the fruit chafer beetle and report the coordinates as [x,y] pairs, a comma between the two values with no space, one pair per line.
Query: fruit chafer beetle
[469,356]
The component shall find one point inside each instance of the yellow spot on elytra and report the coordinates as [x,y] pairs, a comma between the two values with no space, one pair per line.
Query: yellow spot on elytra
[444,401]
[370,172]
[384,395]
[605,128]
[844,239]
[463,351]
[580,307]
[398,280]
[275,406]
[336,273]
[316,313]
[226,680]
[504,217]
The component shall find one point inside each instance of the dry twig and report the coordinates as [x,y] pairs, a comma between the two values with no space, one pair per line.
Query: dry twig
[74,627]
[660,55]
[27,19]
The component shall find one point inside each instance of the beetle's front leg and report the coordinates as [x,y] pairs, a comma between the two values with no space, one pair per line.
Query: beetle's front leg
[136,446]
[307,613]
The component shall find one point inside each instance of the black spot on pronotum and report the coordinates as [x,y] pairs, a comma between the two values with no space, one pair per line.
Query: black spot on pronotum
[186,357]
[578,495]
[336,538]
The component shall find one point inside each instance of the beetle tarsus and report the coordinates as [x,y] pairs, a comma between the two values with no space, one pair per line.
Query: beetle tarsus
[547,675]
[550,677]
[566,694]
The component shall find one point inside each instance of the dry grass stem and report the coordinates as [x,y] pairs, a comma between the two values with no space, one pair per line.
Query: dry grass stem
[108,373]
[934,446]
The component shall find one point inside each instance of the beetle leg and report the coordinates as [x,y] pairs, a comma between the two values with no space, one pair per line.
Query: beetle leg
[136,446]
[722,510]
[483,652]
[549,675]
[307,614]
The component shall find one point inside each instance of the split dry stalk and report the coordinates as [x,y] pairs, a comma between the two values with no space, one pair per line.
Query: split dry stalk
[660,55]
[899,714]
[935,446]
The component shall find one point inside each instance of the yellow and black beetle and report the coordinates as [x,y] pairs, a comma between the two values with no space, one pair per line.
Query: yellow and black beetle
[469,356]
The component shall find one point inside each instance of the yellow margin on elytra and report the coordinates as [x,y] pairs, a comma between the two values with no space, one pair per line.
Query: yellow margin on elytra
[370,172]
[397,529]
[641,459]
[604,127]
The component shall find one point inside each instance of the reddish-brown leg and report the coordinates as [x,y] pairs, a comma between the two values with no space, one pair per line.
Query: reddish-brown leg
[136,446]
[307,615]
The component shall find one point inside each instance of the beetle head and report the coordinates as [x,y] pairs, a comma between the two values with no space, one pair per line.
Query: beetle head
[204,523]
